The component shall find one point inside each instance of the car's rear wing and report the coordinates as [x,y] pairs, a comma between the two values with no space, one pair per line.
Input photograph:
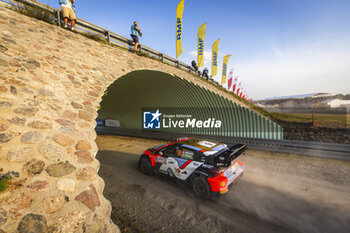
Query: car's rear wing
[225,158]
[237,150]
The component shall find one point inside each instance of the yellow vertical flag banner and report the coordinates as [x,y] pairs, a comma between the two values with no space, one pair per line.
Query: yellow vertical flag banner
[224,69]
[200,44]
[179,11]
[214,58]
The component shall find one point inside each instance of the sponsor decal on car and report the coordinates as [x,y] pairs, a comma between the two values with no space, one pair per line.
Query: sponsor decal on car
[234,167]
[207,144]
[160,160]
[188,157]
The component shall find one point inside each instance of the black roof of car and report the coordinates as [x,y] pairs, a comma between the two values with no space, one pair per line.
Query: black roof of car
[201,144]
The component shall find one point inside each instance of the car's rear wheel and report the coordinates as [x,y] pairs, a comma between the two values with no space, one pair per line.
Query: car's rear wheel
[201,188]
[145,165]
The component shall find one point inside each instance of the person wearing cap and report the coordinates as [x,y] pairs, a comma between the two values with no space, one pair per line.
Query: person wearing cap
[135,32]
[68,12]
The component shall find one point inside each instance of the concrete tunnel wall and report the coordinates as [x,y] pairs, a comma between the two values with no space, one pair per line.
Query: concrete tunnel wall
[51,83]
[139,90]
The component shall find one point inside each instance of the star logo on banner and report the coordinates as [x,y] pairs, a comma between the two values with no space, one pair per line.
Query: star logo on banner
[156,115]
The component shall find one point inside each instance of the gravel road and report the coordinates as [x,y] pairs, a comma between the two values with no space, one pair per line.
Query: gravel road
[278,193]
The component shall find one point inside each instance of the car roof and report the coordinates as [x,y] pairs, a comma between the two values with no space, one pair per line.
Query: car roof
[201,144]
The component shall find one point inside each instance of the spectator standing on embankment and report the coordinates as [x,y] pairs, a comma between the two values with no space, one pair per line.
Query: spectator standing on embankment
[194,65]
[135,32]
[68,12]
[206,73]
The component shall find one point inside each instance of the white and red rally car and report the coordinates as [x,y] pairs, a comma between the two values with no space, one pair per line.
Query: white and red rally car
[209,167]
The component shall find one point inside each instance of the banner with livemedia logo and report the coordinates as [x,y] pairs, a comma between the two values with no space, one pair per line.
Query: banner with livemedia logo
[178,118]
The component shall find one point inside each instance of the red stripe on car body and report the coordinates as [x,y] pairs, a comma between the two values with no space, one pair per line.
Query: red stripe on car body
[185,164]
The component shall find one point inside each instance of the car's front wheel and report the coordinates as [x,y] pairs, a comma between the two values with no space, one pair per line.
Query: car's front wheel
[201,188]
[145,165]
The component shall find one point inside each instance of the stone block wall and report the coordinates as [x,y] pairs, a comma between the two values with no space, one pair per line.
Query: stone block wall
[51,83]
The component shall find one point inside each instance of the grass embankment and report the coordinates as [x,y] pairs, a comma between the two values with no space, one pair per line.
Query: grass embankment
[321,120]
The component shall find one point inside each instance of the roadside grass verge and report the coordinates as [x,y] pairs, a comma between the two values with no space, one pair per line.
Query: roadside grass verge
[33,12]
[95,37]
[321,120]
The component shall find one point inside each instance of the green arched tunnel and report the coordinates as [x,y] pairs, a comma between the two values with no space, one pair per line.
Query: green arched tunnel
[130,97]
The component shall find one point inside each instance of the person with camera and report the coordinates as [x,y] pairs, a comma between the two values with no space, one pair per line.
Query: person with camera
[135,33]
[68,12]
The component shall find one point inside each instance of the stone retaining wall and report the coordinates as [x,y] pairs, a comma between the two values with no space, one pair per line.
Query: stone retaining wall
[306,132]
[51,83]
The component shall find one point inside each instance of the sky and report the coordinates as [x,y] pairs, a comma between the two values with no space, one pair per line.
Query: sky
[278,47]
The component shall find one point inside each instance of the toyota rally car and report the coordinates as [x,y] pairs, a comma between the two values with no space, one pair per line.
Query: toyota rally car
[209,167]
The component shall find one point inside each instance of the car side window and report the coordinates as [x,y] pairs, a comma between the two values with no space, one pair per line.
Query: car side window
[170,151]
[187,154]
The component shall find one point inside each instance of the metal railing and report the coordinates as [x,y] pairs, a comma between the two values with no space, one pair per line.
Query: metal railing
[308,148]
[111,37]
[340,151]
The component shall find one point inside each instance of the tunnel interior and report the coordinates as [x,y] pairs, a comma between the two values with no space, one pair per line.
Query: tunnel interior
[131,95]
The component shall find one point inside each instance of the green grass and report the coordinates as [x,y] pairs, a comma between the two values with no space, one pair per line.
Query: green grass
[321,120]
[252,106]
[95,37]
[34,12]
[4,183]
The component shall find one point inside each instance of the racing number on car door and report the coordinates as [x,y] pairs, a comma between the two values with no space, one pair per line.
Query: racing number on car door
[187,163]
[179,162]
[183,165]
[174,161]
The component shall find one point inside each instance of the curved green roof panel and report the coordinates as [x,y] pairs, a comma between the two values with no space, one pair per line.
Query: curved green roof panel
[132,96]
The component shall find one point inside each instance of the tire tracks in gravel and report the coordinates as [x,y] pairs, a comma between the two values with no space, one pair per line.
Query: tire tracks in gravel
[156,204]
[278,193]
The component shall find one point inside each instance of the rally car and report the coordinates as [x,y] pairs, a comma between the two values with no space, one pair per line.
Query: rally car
[208,167]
